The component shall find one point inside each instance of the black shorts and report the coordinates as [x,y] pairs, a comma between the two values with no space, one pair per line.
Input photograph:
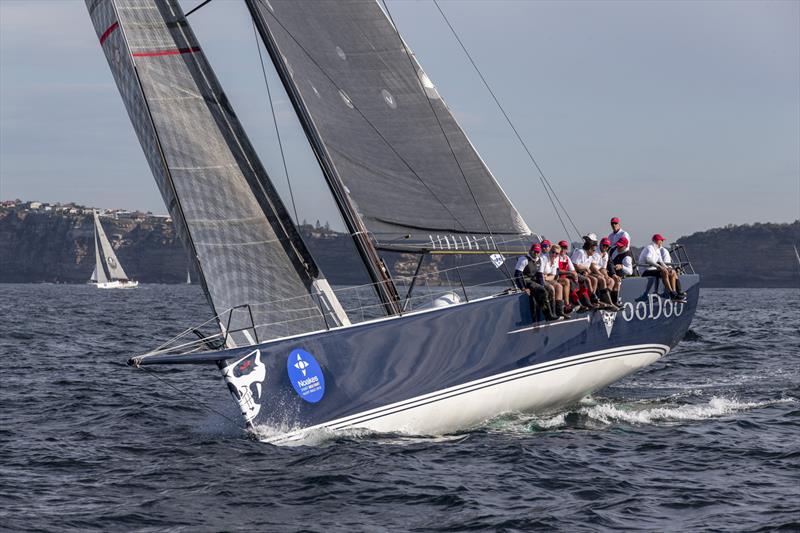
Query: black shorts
[655,273]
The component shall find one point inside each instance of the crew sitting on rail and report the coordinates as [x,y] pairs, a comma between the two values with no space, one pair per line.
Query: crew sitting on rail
[582,259]
[667,259]
[525,273]
[579,295]
[655,266]
[560,285]
[595,273]
[617,232]
[600,265]
[621,262]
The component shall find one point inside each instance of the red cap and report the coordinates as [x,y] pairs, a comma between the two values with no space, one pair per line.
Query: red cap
[615,220]
[658,237]
[622,242]
[563,244]
[536,247]
[546,243]
[606,241]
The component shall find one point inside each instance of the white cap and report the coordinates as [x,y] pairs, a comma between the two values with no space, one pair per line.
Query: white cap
[591,237]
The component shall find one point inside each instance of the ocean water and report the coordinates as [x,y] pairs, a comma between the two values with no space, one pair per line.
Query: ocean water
[706,439]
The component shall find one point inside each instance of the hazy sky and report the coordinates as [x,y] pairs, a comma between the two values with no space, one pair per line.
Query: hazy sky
[675,116]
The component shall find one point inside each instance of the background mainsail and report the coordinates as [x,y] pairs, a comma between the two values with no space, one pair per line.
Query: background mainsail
[247,249]
[115,270]
[391,139]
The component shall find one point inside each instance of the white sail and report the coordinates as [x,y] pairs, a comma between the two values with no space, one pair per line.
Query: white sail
[115,270]
[188,278]
[99,274]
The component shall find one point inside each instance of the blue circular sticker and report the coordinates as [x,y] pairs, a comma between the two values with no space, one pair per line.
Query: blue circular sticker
[305,375]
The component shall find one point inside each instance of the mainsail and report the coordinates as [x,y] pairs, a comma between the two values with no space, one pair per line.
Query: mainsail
[380,124]
[247,250]
[99,273]
[115,271]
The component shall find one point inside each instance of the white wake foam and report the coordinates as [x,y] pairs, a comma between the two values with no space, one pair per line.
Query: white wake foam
[608,413]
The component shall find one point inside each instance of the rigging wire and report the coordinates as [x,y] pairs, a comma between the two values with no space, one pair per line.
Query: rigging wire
[449,145]
[542,177]
[196,8]
[275,121]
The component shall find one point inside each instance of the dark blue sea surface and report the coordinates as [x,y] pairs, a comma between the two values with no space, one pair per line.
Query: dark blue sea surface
[708,438]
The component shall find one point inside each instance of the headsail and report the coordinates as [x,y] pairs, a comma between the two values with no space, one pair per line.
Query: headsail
[115,270]
[246,247]
[408,166]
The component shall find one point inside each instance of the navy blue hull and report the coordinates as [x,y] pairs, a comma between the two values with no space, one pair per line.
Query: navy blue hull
[376,364]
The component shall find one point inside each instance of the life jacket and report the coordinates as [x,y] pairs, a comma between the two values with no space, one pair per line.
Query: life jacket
[563,266]
[618,259]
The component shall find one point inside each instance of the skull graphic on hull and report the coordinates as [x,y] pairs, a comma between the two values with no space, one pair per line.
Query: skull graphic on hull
[244,378]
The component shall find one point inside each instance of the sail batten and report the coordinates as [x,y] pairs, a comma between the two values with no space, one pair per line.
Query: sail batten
[219,194]
[385,130]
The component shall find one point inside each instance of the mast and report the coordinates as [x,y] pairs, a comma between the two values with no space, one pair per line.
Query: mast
[355,226]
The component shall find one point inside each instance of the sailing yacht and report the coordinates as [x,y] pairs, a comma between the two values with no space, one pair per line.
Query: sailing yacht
[108,272]
[294,353]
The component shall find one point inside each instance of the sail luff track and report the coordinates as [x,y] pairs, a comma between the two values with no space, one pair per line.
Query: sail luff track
[247,249]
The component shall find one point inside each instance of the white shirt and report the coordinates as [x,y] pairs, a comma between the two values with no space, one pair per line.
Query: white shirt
[522,262]
[650,256]
[665,257]
[549,267]
[627,263]
[617,235]
[600,259]
[581,258]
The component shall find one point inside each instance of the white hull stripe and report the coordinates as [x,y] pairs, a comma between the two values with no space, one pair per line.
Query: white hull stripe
[541,368]
[548,324]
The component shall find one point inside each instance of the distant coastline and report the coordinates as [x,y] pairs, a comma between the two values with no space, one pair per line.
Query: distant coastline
[42,242]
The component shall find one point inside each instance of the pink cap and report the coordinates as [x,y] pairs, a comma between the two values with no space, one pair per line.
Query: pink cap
[605,241]
[658,237]
[563,244]
[536,247]
[546,243]
[622,242]
[615,220]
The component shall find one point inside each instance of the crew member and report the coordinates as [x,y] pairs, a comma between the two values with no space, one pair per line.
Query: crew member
[600,267]
[620,264]
[579,294]
[551,279]
[582,259]
[525,272]
[617,232]
[654,266]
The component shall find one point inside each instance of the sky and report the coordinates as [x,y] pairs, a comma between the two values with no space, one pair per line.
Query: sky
[675,116]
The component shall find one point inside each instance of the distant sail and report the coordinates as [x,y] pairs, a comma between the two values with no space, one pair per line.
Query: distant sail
[384,127]
[115,270]
[225,207]
[99,274]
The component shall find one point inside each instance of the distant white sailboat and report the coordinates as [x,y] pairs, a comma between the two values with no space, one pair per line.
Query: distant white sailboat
[188,278]
[797,254]
[107,274]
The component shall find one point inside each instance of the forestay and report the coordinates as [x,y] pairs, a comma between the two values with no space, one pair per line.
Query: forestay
[247,250]
[390,138]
